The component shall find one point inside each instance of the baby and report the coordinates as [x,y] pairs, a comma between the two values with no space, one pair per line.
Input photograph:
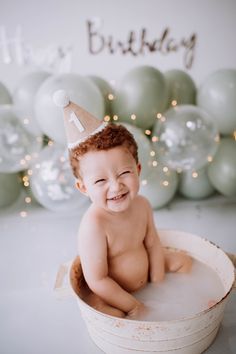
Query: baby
[119,247]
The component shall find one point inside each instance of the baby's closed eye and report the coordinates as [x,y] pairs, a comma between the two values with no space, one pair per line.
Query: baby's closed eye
[100,180]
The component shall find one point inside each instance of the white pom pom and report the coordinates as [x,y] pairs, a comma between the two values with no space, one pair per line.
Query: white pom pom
[60,98]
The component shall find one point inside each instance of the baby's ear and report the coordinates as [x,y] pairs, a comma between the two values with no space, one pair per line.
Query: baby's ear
[139,167]
[80,186]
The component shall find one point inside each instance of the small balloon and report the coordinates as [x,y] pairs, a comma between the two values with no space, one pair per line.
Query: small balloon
[195,184]
[23,98]
[107,92]
[185,137]
[79,89]
[160,186]
[10,188]
[144,149]
[5,97]
[52,182]
[17,146]
[181,88]
[222,170]
[217,96]
[141,95]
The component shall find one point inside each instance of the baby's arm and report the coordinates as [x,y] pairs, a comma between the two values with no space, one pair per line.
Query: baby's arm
[93,255]
[154,249]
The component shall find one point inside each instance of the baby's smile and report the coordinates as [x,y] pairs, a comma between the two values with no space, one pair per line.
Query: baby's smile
[118,197]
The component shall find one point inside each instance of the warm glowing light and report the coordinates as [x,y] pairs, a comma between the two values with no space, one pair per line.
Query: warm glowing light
[111,96]
[159,115]
[234,135]
[209,158]
[50,143]
[154,163]
[27,157]
[165,183]
[148,132]
[165,169]
[133,116]
[26,121]
[152,153]
[23,214]
[154,139]
[22,162]
[194,174]
[25,179]
[62,159]
[163,119]
[144,182]
[115,117]
[27,200]
[30,172]
[26,184]
[174,103]
[107,118]
[217,138]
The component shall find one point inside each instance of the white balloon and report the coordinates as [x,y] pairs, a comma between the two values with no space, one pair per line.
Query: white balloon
[23,99]
[79,89]
[52,182]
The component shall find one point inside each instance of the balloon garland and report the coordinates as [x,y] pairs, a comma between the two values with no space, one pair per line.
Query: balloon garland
[186,135]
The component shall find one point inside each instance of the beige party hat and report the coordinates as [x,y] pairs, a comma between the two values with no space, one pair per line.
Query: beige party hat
[79,124]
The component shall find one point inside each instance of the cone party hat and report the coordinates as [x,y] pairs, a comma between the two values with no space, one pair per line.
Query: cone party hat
[79,124]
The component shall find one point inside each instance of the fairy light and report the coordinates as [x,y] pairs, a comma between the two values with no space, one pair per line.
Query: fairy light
[165,169]
[152,153]
[133,116]
[154,163]
[163,119]
[174,103]
[27,157]
[154,139]
[165,183]
[194,174]
[209,158]
[28,200]
[23,213]
[234,135]
[107,118]
[62,159]
[50,143]
[30,172]
[115,117]
[148,132]
[217,138]
[111,96]
[144,182]
[159,115]
[22,162]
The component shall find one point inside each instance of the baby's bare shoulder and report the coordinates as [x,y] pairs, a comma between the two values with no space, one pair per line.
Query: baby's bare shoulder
[92,220]
[143,202]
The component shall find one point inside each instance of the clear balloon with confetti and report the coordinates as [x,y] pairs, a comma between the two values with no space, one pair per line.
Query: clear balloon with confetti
[52,182]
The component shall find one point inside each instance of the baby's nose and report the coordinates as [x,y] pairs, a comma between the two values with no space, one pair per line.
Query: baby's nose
[115,185]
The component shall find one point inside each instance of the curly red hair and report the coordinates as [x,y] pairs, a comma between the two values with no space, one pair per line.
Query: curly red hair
[111,136]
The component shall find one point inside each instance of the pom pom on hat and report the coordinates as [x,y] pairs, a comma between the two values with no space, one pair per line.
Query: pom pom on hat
[60,98]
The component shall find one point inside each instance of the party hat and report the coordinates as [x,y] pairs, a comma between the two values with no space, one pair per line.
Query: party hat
[79,124]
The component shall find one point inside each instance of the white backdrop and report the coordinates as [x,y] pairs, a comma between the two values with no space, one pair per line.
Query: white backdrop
[48,24]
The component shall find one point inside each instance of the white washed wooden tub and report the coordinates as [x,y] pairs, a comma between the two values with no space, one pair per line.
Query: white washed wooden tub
[190,335]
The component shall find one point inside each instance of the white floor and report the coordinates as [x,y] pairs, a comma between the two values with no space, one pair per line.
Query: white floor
[34,321]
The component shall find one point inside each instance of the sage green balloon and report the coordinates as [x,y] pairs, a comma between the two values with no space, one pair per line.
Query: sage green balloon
[195,184]
[141,95]
[160,186]
[10,188]
[106,91]
[5,96]
[144,149]
[222,170]
[181,87]
[217,96]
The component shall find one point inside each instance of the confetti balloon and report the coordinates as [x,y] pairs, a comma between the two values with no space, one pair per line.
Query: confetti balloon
[141,95]
[160,186]
[195,184]
[144,149]
[106,90]
[185,137]
[5,97]
[23,99]
[80,90]
[10,188]
[17,146]
[222,170]
[217,96]
[181,88]
[52,182]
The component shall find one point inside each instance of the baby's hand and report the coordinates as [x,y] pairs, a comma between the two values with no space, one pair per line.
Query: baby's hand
[137,313]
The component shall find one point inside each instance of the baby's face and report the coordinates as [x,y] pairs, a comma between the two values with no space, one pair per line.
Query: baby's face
[110,178]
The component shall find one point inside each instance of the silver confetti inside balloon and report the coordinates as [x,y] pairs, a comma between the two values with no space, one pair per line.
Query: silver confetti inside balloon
[52,182]
[17,146]
[185,138]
